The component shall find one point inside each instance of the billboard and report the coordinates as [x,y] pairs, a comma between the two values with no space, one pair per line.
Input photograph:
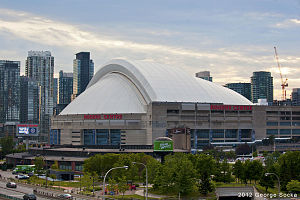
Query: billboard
[163,145]
[27,130]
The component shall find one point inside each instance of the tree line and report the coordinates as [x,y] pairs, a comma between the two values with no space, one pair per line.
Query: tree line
[187,173]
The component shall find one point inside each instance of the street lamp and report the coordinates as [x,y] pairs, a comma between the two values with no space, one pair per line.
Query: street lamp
[268,174]
[125,167]
[146,177]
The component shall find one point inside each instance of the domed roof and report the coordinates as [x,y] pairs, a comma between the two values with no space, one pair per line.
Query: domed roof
[120,86]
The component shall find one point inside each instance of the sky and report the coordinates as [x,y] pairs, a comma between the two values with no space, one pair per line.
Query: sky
[229,38]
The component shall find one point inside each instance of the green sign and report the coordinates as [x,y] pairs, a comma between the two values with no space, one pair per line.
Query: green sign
[163,145]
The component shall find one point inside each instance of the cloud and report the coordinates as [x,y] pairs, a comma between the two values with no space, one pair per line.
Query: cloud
[288,23]
[227,64]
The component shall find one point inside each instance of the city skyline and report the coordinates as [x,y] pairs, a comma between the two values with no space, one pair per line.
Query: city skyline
[229,39]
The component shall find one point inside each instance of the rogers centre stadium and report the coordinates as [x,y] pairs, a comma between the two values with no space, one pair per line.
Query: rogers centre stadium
[131,104]
[153,108]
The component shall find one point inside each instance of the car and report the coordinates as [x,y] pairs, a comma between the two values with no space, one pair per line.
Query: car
[11,185]
[65,196]
[30,174]
[21,176]
[29,197]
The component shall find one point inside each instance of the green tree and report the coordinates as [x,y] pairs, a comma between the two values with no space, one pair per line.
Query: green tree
[288,167]
[7,145]
[112,185]
[86,181]
[177,174]
[55,165]
[238,170]
[255,154]
[122,185]
[293,186]
[256,169]
[39,164]
[247,173]
[223,172]
[266,181]
[205,166]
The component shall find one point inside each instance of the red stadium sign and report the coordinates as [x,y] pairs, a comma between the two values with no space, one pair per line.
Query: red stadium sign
[230,107]
[106,116]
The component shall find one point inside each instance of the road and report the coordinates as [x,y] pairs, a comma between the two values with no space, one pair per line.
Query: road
[16,192]
[27,189]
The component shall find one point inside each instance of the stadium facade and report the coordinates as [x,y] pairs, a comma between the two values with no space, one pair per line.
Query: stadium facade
[133,103]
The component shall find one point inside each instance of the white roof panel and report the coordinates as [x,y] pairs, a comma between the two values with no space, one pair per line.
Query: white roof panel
[120,86]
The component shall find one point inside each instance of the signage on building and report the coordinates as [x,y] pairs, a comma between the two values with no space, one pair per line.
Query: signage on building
[103,116]
[180,131]
[163,145]
[27,130]
[230,107]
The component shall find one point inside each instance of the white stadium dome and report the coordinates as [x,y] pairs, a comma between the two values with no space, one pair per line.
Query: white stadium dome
[121,86]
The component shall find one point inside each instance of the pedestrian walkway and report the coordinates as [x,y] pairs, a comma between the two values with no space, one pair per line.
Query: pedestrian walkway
[152,196]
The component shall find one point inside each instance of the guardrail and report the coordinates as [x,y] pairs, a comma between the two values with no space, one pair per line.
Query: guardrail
[9,197]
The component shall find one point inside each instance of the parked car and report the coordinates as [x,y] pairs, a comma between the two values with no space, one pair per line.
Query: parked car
[30,174]
[29,197]
[21,176]
[65,196]
[11,185]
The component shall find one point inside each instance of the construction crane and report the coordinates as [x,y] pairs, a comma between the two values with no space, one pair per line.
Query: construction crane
[284,83]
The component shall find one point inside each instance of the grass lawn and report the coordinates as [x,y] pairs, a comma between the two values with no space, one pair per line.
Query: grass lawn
[41,181]
[193,195]
[262,189]
[127,197]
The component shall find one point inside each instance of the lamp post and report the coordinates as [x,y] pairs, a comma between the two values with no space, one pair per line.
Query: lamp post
[268,174]
[125,167]
[146,177]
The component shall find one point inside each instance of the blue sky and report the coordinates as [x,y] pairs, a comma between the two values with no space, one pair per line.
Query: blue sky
[230,38]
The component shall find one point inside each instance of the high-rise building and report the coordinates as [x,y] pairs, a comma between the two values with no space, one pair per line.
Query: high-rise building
[9,97]
[83,71]
[40,67]
[9,91]
[241,88]
[204,75]
[55,92]
[295,97]
[65,89]
[29,104]
[262,86]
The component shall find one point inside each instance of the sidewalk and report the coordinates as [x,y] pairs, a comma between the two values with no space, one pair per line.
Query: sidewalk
[155,196]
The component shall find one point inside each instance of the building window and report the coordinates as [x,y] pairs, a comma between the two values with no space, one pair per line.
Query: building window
[200,133]
[172,111]
[102,136]
[78,168]
[295,123]
[55,136]
[272,113]
[246,133]
[115,136]
[65,166]
[285,123]
[217,133]
[272,131]
[296,113]
[231,133]
[296,131]
[89,136]
[285,131]
[272,123]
